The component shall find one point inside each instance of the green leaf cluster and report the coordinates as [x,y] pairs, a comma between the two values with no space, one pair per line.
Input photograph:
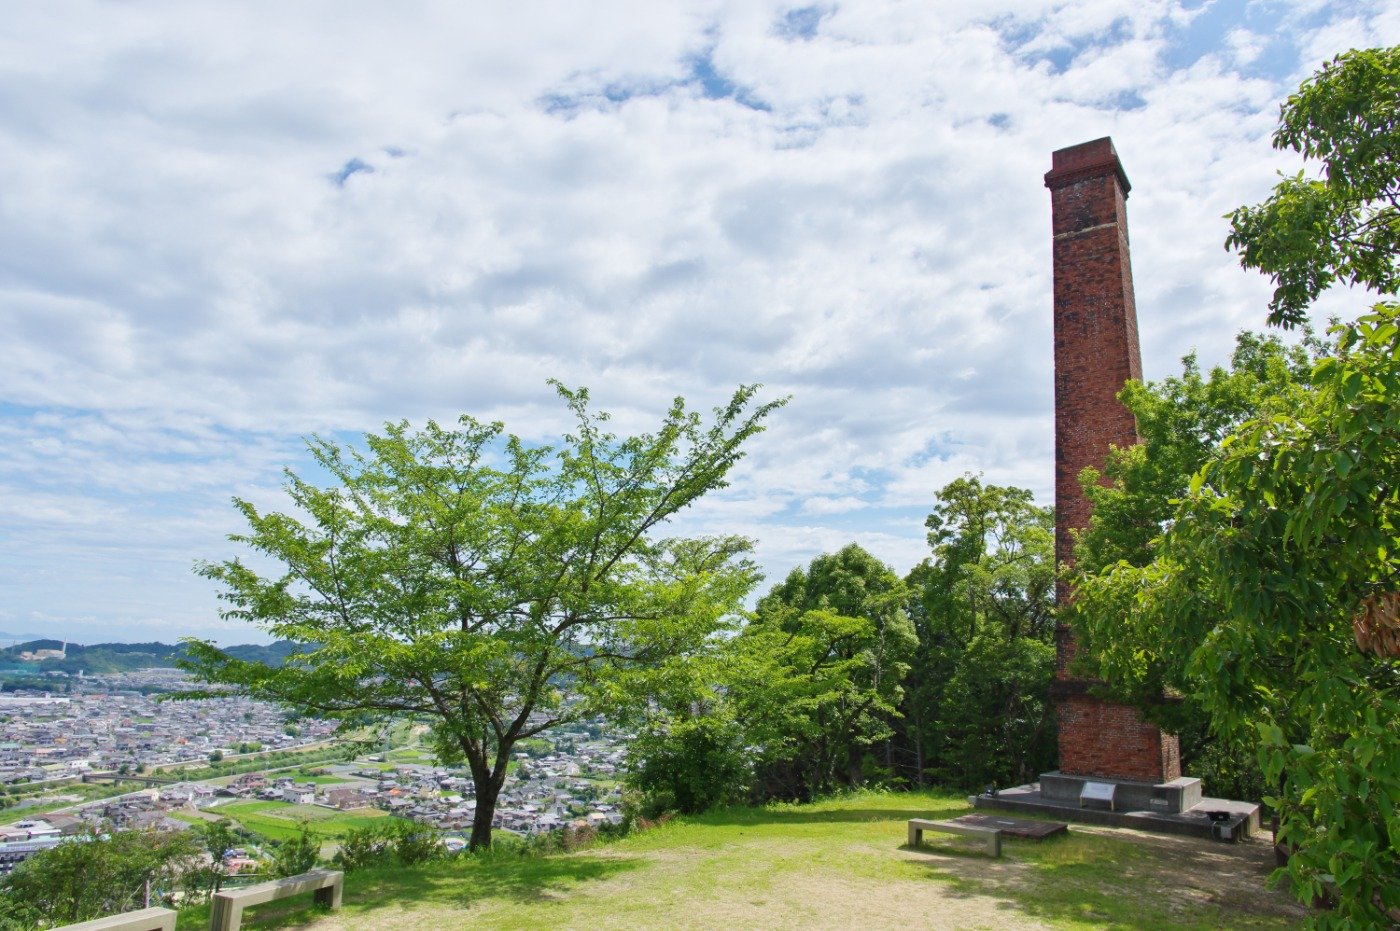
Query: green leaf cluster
[297,854]
[822,665]
[1248,604]
[977,707]
[1342,226]
[96,874]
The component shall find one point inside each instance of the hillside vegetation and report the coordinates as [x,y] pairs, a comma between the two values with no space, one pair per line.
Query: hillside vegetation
[835,864]
[100,658]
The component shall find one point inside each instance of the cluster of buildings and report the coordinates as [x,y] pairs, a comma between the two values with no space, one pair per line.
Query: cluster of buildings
[564,778]
[109,722]
[34,656]
[545,792]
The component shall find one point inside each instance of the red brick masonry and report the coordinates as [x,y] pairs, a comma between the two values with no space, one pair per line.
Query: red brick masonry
[1096,351]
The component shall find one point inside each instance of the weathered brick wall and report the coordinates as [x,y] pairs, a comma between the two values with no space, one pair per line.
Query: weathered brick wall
[1096,351]
[1099,738]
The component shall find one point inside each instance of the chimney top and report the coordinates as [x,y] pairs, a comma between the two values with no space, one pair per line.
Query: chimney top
[1086,160]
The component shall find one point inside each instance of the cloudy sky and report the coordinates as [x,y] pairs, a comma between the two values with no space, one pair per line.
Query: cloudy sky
[224,227]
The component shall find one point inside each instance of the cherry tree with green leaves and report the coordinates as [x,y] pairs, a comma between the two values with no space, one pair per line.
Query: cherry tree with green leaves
[490,588]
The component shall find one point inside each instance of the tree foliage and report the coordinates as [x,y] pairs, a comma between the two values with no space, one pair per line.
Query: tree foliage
[1270,598]
[1182,421]
[1343,226]
[491,588]
[296,855]
[820,669]
[1250,601]
[95,875]
[977,708]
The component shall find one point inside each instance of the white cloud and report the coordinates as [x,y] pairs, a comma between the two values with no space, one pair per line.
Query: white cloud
[650,200]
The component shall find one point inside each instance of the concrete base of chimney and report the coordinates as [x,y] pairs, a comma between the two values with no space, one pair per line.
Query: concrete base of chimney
[1169,798]
[1211,818]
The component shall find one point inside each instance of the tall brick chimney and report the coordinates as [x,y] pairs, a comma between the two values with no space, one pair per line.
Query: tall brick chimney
[1096,351]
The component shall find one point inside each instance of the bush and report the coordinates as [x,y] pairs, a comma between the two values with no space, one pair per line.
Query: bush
[296,856]
[401,842]
[414,843]
[362,848]
[689,765]
[99,875]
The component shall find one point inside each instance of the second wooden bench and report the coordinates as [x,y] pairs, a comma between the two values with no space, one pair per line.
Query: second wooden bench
[991,836]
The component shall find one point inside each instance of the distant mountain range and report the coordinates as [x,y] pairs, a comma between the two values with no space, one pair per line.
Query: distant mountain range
[125,657]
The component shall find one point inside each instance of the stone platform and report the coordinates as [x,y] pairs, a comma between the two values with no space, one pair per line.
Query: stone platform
[1240,819]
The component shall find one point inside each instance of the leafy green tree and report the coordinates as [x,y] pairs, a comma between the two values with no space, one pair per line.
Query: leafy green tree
[819,672]
[1182,421]
[998,716]
[690,764]
[1343,226]
[990,568]
[464,578]
[1252,603]
[96,875]
[219,839]
[978,686]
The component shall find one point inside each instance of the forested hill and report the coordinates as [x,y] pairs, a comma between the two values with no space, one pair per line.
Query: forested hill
[124,657]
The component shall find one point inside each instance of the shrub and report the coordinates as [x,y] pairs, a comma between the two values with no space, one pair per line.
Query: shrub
[296,856]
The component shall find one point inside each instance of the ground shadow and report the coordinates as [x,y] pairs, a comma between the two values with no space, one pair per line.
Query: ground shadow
[459,883]
[1118,883]
[756,816]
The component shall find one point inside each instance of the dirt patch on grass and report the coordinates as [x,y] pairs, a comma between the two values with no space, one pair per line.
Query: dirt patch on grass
[1231,875]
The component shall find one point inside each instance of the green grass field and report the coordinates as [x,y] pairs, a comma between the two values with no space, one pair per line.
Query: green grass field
[318,780]
[282,820]
[836,864]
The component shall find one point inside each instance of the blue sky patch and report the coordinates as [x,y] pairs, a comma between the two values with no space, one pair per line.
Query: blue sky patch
[801,23]
[717,86]
[353,167]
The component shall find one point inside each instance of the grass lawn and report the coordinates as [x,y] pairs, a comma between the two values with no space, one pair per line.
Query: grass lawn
[282,820]
[837,864]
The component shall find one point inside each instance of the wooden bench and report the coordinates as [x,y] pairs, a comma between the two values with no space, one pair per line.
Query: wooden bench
[148,919]
[992,836]
[226,913]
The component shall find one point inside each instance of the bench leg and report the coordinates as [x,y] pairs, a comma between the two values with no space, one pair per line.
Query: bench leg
[329,896]
[915,835]
[994,844]
[225,915]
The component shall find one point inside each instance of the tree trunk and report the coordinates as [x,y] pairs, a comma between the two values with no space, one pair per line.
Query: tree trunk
[919,754]
[488,784]
[485,813]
